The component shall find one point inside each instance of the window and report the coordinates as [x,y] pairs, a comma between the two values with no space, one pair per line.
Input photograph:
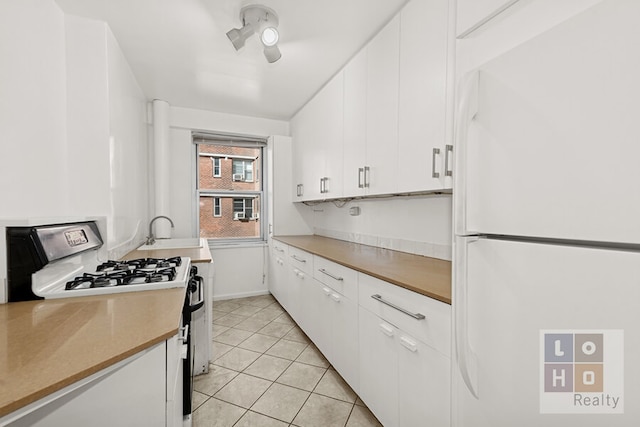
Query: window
[216,167]
[243,170]
[229,187]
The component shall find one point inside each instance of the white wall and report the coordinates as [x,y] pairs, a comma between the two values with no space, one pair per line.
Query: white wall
[419,225]
[72,122]
[33,143]
[239,270]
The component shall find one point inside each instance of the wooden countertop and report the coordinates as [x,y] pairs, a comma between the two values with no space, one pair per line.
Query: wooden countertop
[47,345]
[427,276]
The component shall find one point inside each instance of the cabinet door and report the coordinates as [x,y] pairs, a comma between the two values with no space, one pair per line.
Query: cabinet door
[278,274]
[310,161]
[378,367]
[344,335]
[330,135]
[355,124]
[383,63]
[296,296]
[317,134]
[424,384]
[422,120]
[322,331]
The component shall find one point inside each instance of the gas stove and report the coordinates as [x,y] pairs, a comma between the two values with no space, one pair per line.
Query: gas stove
[63,261]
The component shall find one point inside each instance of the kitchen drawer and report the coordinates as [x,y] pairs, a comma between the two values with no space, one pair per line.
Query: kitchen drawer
[338,277]
[434,330]
[301,260]
[279,249]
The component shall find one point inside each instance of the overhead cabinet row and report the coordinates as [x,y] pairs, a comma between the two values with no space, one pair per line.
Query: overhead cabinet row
[380,126]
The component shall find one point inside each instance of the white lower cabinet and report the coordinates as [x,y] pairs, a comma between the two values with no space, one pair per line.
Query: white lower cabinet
[278,273]
[403,381]
[423,384]
[129,393]
[340,318]
[378,362]
[176,349]
[404,355]
[397,361]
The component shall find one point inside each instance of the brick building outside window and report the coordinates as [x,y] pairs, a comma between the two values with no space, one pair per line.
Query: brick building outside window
[230,191]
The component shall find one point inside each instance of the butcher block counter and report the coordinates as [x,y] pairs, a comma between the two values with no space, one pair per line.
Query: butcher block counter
[427,276]
[50,344]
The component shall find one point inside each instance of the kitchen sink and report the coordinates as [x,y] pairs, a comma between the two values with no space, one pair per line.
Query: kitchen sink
[184,243]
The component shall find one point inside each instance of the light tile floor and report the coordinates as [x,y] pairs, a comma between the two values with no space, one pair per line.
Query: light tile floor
[266,372]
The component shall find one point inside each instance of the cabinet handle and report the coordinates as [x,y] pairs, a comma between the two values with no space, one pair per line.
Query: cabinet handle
[278,249]
[184,333]
[386,329]
[434,174]
[323,185]
[335,297]
[416,316]
[448,157]
[367,172]
[298,258]
[300,190]
[360,176]
[327,291]
[409,344]
[323,271]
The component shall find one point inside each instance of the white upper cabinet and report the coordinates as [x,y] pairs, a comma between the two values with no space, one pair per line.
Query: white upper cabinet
[355,124]
[473,14]
[317,134]
[394,116]
[424,158]
[383,63]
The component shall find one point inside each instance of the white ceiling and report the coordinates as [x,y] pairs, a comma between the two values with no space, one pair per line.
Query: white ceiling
[179,51]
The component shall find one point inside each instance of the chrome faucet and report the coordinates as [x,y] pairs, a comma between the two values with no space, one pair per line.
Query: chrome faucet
[151,239]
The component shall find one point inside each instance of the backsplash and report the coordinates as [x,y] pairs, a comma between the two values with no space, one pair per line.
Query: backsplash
[402,245]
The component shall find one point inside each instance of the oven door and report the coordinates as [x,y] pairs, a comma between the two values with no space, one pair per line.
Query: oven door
[194,302]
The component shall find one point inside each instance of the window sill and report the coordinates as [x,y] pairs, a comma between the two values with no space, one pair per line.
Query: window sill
[215,244]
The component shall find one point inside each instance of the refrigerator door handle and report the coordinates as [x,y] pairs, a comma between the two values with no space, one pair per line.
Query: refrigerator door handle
[465,357]
[467,109]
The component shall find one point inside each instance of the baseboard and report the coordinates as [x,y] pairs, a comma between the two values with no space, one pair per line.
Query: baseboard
[239,295]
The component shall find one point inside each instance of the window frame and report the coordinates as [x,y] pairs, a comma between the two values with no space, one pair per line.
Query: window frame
[260,174]
[217,207]
[217,164]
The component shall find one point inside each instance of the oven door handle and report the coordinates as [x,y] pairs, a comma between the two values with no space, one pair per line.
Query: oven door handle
[200,285]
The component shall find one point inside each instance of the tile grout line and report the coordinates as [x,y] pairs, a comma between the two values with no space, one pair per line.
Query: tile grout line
[307,345]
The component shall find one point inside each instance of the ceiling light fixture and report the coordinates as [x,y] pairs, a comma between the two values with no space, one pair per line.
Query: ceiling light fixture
[262,21]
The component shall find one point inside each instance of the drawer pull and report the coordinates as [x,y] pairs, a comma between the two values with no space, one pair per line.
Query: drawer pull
[298,258]
[335,297]
[411,345]
[386,329]
[327,291]
[278,249]
[323,271]
[416,316]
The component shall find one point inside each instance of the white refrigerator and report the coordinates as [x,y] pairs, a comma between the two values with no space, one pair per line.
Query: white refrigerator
[546,293]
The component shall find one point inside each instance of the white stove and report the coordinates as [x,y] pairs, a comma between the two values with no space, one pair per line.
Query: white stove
[64,260]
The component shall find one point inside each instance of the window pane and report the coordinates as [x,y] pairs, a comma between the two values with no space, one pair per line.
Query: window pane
[228,225]
[240,161]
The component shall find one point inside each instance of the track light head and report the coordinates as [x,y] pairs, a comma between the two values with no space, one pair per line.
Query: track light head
[263,21]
